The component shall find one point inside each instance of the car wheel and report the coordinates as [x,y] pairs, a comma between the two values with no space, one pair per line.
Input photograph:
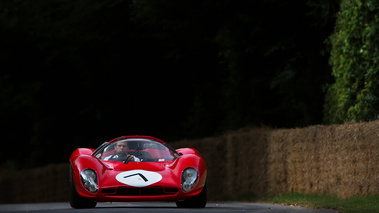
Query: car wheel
[198,201]
[77,201]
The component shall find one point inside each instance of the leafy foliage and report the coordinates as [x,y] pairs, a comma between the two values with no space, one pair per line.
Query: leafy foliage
[354,58]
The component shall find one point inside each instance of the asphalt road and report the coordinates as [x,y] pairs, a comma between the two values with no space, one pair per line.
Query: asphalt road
[156,207]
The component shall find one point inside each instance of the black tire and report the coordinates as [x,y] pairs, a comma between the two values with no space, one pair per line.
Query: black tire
[77,201]
[198,201]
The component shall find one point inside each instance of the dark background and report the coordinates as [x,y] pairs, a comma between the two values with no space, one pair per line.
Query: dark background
[77,73]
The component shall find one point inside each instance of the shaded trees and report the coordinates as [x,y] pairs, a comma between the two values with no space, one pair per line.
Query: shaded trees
[263,58]
[76,73]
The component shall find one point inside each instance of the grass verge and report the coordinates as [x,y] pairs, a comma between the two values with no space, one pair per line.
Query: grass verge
[349,205]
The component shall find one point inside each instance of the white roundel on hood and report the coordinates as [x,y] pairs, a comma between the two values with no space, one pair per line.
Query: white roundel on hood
[138,178]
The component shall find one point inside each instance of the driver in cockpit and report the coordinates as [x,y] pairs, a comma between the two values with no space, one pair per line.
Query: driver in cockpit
[122,147]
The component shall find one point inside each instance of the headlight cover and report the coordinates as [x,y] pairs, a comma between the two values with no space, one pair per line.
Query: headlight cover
[89,180]
[189,178]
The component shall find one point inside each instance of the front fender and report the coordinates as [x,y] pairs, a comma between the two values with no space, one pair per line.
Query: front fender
[81,151]
[191,160]
[80,163]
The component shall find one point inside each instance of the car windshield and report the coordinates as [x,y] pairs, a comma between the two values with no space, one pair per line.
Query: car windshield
[144,150]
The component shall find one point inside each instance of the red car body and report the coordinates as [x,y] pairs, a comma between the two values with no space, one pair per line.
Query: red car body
[162,176]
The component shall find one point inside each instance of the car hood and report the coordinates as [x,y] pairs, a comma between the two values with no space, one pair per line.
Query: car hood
[150,166]
[130,174]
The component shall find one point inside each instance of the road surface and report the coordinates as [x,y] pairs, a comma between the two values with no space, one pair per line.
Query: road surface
[157,207]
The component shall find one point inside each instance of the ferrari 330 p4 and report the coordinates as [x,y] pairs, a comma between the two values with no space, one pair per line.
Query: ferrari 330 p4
[137,168]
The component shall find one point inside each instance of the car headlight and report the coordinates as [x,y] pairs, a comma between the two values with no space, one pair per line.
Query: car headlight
[89,180]
[189,178]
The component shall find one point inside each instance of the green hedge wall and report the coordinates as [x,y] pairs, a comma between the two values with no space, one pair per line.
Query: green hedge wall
[354,59]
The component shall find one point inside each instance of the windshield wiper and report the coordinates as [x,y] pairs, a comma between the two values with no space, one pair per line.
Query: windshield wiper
[130,155]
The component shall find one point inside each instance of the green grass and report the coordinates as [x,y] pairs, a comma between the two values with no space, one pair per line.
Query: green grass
[348,205]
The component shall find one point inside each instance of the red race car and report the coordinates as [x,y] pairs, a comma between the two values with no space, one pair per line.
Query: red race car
[137,168]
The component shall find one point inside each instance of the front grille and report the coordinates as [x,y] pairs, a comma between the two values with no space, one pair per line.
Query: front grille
[146,191]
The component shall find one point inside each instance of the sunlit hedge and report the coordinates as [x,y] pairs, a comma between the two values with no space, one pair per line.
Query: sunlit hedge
[354,60]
